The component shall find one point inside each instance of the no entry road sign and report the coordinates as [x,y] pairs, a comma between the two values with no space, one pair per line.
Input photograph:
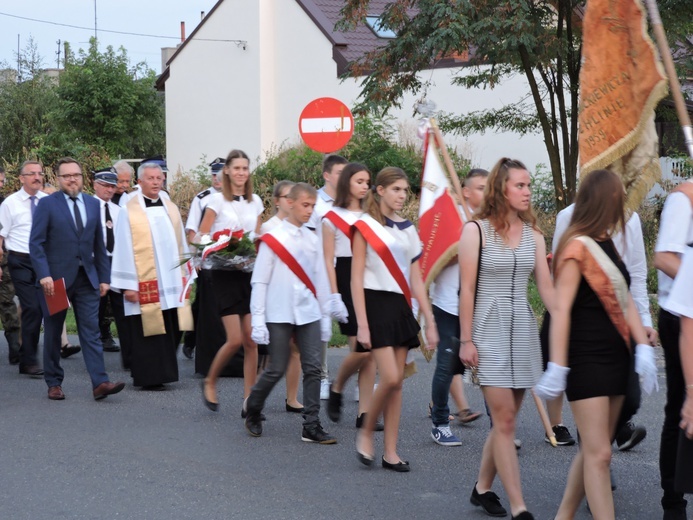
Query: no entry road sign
[326,125]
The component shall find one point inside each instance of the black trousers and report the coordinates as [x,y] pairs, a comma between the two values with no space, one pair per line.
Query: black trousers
[669,329]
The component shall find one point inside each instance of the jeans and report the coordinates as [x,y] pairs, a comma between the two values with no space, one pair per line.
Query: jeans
[309,345]
[669,328]
[448,327]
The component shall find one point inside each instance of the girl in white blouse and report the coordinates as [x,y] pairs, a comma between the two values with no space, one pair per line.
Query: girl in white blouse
[385,275]
[236,207]
[337,231]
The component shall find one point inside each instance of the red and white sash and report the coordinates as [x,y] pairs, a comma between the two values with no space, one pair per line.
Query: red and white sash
[383,243]
[604,278]
[289,252]
[343,219]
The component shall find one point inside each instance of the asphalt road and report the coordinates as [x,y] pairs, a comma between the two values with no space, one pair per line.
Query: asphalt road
[163,455]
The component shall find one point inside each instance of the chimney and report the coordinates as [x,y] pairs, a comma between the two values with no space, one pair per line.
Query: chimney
[202,15]
[182,32]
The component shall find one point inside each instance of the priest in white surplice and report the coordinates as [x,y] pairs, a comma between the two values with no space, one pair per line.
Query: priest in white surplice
[149,245]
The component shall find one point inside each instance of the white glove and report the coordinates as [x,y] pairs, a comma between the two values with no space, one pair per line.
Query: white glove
[259,333]
[646,367]
[552,384]
[325,329]
[338,310]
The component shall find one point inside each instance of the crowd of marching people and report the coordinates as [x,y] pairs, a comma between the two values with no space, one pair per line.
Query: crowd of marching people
[344,252]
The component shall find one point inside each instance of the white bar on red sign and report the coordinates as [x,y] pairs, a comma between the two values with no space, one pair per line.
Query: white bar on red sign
[325,124]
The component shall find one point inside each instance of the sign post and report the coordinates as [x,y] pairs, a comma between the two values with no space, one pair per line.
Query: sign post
[326,125]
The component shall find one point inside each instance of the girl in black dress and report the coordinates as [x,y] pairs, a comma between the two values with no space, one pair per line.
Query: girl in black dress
[592,323]
[352,187]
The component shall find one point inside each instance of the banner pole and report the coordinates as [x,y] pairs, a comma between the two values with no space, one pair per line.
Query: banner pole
[450,169]
[665,52]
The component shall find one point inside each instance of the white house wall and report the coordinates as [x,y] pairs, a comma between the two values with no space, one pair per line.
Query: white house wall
[212,93]
[258,94]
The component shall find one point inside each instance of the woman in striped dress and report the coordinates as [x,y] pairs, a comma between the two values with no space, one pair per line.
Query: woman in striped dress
[499,336]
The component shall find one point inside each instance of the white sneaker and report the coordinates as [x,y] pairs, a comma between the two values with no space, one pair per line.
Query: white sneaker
[356,394]
[324,389]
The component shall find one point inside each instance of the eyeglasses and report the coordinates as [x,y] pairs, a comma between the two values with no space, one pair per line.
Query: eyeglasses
[70,176]
[31,174]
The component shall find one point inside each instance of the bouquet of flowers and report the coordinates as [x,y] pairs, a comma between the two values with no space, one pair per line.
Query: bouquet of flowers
[227,250]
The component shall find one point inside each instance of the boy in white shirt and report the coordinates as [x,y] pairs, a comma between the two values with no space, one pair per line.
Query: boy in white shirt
[290,296]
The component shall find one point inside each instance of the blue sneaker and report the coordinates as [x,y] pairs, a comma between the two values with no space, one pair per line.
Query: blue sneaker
[443,436]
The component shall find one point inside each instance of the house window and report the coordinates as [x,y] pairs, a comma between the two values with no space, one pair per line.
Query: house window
[376,26]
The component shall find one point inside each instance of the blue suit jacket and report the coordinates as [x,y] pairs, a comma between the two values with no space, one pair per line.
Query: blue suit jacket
[56,248]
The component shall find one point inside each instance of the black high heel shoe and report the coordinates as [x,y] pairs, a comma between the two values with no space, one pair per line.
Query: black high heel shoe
[401,467]
[209,404]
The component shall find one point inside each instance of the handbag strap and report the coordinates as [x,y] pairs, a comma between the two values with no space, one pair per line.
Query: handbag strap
[478,263]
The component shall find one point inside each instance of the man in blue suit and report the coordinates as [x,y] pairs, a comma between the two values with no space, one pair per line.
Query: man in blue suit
[67,242]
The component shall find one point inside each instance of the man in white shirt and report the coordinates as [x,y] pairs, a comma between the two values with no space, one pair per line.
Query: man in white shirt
[16,215]
[105,183]
[289,297]
[192,226]
[199,203]
[632,251]
[445,299]
[332,166]
[675,232]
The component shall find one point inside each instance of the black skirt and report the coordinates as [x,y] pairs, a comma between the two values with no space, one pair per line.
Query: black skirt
[391,320]
[343,271]
[232,290]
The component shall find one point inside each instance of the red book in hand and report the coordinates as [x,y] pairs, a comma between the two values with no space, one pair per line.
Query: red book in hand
[58,302]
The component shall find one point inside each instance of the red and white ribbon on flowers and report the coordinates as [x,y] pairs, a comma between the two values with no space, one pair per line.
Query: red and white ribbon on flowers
[220,241]
[188,279]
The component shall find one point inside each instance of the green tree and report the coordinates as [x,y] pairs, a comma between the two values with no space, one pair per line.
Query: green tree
[27,99]
[539,39]
[108,103]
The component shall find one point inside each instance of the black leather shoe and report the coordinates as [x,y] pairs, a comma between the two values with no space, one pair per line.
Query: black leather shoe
[316,434]
[68,350]
[334,406]
[400,467]
[362,419]
[293,409]
[525,515]
[489,502]
[188,351]
[253,423]
[109,345]
[31,370]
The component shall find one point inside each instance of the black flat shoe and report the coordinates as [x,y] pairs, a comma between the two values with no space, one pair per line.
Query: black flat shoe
[401,467]
[209,404]
[293,409]
[366,460]
[68,350]
[362,418]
